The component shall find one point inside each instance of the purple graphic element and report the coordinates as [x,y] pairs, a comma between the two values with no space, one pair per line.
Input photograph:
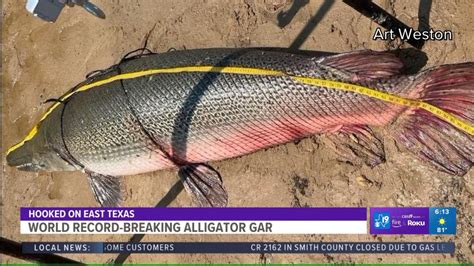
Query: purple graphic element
[196,214]
[397,220]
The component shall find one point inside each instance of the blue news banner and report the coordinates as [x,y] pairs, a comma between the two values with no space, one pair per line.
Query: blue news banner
[237,247]
[237,221]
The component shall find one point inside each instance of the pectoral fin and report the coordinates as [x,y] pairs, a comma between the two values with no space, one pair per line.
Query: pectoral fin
[204,184]
[358,144]
[108,190]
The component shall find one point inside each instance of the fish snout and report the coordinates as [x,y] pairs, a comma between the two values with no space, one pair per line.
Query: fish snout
[22,159]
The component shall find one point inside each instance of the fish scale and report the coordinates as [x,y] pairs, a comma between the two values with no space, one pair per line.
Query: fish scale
[247,102]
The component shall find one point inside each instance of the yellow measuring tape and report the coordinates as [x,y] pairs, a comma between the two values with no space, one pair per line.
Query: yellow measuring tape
[384,96]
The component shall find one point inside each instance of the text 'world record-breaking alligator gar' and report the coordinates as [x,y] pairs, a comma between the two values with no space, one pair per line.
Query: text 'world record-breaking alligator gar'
[184,109]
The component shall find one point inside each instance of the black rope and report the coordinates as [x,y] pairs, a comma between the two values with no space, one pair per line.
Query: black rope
[145,43]
[97,72]
[14,249]
[140,51]
[142,127]
[94,73]
[70,158]
[133,54]
[53,100]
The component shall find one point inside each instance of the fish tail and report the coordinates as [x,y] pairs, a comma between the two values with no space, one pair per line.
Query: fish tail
[440,129]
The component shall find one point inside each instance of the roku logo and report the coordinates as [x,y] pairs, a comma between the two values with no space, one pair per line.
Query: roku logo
[416,223]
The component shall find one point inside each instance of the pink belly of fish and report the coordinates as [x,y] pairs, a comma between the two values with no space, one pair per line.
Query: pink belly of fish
[249,137]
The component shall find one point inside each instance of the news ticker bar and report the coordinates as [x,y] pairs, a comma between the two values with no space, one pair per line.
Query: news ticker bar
[346,220]
[237,247]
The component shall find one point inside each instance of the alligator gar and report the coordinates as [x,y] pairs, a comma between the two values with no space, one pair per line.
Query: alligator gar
[183,109]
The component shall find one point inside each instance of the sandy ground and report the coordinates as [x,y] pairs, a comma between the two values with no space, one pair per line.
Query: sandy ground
[42,60]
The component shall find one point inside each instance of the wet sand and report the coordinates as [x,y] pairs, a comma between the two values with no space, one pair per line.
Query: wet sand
[43,60]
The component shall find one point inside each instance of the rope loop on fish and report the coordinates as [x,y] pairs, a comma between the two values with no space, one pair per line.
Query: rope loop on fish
[137,53]
[53,100]
[142,127]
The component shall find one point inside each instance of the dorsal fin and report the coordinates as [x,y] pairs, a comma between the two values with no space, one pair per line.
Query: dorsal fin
[365,63]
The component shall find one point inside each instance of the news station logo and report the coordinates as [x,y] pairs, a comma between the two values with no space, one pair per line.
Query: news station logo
[381,220]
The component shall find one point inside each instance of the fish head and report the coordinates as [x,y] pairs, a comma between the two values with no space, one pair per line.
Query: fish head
[36,155]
